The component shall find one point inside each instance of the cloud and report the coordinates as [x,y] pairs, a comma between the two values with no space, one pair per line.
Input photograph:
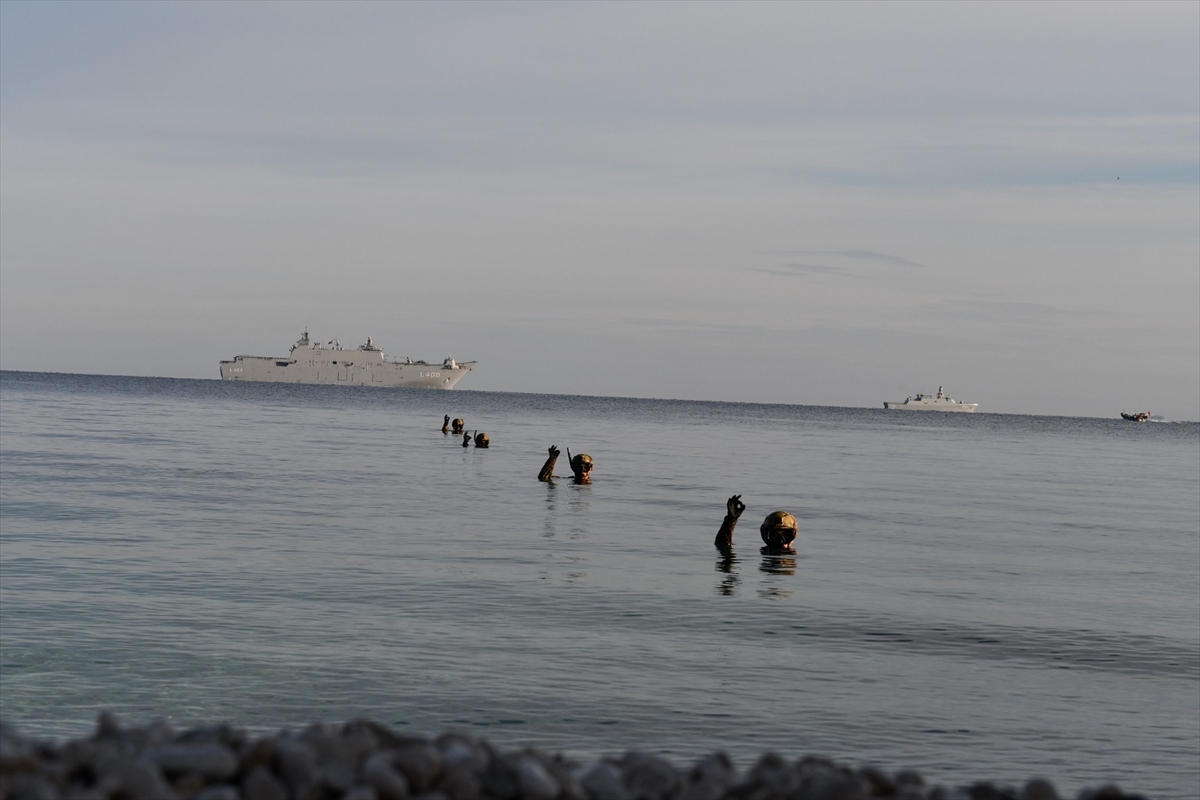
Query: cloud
[855,255]
[795,270]
[868,255]
[696,325]
[1009,312]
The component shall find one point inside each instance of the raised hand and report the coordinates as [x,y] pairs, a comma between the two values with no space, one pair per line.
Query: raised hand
[733,509]
[734,506]
[547,471]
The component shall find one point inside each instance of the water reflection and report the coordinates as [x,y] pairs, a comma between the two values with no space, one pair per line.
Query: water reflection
[575,572]
[727,564]
[549,530]
[578,505]
[778,562]
[773,562]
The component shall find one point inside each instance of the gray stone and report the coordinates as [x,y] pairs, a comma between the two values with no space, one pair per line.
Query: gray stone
[500,780]
[880,783]
[700,790]
[708,779]
[462,752]
[1039,789]
[385,737]
[649,777]
[536,781]
[421,765]
[261,784]
[338,776]
[107,726]
[460,781]
[603,781]
[568,782]
[189,784]
[985,790]
[157,732]
[213,761]
[257,753]
[219,791]
[299,769]
[1109,791]
[351,744]
[17,755]
[367,761]
[433,795]
[134,779]
[836,787]
[389,783]
[771,777]
[942,793]
[33,787]
[78,791]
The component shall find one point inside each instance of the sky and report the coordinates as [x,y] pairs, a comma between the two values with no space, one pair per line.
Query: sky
[810,203]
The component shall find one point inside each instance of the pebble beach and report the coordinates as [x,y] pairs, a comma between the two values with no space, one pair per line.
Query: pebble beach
[364,760]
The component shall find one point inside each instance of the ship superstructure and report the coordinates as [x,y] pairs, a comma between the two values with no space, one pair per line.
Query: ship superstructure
[365,365]
[939,402]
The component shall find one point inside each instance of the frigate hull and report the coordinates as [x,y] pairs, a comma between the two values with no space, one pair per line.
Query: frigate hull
[363,366]
[939,402]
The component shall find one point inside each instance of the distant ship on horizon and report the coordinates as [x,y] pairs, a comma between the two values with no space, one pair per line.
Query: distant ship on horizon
[365,365]
[939,402]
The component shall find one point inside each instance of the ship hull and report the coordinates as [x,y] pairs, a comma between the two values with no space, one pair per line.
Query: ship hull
[963,408]
[387,374]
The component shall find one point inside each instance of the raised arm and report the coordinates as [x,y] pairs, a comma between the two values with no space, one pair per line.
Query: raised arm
[733,509]
[548,468]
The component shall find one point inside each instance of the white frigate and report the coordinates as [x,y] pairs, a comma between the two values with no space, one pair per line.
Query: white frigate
[939,402]
[365,365]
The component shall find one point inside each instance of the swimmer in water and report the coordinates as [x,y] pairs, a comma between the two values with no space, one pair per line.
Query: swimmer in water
[457,425]
[446,424]
[778,530]
[482,439]
[581,465]
[466,438]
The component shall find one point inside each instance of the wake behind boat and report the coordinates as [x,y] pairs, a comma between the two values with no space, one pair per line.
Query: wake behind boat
[923,402]
[365,365]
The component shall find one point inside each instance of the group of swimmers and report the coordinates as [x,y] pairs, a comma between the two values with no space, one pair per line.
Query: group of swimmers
[778,530]
[457,426]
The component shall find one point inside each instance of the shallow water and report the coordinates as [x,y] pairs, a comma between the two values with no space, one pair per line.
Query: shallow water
[974,596]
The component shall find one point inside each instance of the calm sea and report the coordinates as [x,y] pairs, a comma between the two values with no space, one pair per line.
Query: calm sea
[974,596]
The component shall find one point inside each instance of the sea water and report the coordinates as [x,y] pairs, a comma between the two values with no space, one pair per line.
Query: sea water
[974,596]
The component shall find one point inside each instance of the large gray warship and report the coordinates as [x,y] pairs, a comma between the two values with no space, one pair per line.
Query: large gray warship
[365,365]
[923,402]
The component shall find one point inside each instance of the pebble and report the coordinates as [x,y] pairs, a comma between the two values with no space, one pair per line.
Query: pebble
[363,760]
[535,780]
[212,761]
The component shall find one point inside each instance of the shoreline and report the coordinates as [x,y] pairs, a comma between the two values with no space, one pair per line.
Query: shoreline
[365,760]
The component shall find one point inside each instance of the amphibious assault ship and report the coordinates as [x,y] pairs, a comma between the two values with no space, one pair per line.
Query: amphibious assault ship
[923,402]
[365,365]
